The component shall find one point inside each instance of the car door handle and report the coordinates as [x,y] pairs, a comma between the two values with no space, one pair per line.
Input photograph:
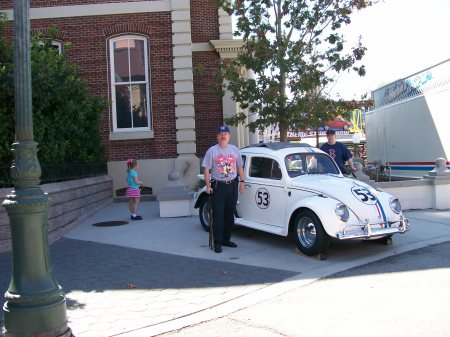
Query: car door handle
[247,185]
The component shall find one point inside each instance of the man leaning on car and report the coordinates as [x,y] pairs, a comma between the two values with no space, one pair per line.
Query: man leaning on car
[338,152]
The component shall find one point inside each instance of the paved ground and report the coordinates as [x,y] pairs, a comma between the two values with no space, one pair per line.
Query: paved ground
[157,275]
[112,289]
[403,295]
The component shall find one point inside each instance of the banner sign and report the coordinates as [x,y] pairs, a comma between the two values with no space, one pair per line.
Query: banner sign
[411,86]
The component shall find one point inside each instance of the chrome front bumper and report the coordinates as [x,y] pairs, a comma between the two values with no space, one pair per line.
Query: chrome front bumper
[373,230]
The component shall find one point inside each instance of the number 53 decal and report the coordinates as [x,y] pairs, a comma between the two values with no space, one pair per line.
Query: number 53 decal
[364,195]
[262,198]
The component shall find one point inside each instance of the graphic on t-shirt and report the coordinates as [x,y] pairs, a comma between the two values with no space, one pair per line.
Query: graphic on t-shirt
[332,153]
[226,165]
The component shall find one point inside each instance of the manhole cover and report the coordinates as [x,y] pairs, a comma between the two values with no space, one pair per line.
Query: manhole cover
[109,223]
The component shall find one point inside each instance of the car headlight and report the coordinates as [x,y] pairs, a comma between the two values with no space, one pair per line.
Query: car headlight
[395,205]
[342,212]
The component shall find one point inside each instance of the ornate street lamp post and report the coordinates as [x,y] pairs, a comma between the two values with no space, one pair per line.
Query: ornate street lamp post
[35,305]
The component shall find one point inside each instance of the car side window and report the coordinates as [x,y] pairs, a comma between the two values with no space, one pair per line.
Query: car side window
[294,164]
[267,168]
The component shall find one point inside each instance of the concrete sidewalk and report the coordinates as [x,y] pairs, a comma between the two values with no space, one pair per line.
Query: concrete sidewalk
[402,295]
[156,275]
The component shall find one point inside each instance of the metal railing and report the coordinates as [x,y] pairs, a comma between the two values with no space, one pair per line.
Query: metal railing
[52,173]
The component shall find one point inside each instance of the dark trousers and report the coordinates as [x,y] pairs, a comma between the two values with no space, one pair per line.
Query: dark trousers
[224,199]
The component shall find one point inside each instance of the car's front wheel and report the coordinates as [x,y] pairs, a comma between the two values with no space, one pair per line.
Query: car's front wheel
[205,212]
[310,235]
[385,240]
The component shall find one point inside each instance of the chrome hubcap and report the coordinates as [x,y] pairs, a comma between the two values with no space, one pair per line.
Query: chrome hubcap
[306,232]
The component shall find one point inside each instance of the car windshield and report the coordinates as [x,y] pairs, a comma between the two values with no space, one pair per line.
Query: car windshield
[309,163]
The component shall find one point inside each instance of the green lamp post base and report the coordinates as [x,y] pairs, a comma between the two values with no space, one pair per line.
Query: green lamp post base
[41,320]
[35,305]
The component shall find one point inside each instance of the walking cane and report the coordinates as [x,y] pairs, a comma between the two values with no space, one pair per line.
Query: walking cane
[211,232]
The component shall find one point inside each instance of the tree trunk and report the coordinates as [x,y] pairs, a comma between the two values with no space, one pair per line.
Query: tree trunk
[317,137]
[283,132]
[284,118]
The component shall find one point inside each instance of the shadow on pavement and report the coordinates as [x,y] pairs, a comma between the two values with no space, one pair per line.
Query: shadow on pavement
[93,267]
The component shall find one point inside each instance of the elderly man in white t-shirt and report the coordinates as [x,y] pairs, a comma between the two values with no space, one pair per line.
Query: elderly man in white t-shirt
[221,166]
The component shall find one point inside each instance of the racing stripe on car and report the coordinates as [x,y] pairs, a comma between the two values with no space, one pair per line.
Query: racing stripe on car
[380,211]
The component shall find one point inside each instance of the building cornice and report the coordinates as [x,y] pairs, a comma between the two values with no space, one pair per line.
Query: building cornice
[95,9]
[227,48]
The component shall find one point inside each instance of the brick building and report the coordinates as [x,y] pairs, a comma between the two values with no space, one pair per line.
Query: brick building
[155,61]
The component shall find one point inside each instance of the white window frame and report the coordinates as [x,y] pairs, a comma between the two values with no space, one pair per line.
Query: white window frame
[55,43]
[114,83]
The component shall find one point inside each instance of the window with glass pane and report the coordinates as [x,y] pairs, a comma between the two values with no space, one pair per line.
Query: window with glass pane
[130,83]
[56,45]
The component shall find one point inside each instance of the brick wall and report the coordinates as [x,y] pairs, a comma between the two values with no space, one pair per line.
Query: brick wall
[208,104]
[6,4]
[204,20]
[88,38]
[71,202]
[54,3]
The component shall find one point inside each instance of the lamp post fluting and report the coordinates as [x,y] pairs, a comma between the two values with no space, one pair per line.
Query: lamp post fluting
[35,305]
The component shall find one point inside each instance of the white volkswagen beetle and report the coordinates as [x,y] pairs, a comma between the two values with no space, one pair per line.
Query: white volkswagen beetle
[299,188]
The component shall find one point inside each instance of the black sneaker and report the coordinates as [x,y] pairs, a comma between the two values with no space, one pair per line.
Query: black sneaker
[230,244]
[217,248]
[137,217]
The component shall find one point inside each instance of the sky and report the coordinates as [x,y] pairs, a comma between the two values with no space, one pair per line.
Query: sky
[402,37]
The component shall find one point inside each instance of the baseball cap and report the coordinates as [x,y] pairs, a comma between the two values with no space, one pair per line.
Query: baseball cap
[331,132]
[223,128]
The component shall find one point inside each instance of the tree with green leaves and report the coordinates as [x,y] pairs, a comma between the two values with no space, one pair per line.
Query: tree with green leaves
[295,49]
[65,115]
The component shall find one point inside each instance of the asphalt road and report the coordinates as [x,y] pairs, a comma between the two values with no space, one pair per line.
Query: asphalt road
[403,295]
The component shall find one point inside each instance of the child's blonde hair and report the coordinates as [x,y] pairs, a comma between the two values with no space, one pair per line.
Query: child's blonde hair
[131,164]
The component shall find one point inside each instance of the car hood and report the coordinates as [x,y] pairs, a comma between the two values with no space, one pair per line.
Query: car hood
[334,186]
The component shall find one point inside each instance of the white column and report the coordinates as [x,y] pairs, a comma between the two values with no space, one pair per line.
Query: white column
[187,164]
[225,25]
[241,136]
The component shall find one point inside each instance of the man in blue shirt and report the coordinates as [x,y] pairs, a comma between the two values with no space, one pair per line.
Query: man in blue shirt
[338,152]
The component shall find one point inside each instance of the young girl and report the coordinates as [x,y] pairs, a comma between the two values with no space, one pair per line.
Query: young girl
[133,191]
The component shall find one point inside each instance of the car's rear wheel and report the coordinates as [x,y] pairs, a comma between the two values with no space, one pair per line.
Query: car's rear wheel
[310,235]
[205,212]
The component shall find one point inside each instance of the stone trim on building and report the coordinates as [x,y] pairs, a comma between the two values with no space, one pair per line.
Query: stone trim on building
[95,9]
[227,49]
[183,85]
